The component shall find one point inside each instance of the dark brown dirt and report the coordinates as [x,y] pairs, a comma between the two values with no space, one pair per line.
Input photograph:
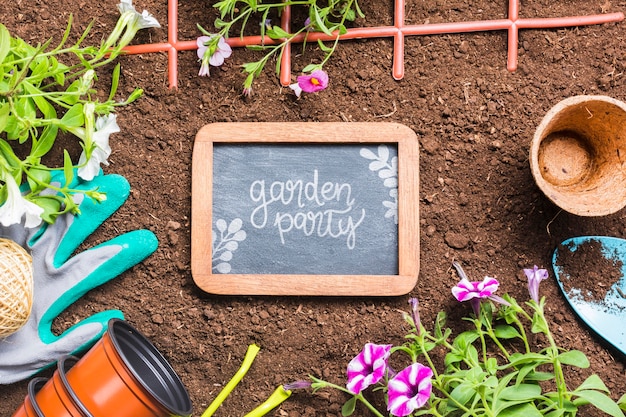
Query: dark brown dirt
[479,204]
[588,268]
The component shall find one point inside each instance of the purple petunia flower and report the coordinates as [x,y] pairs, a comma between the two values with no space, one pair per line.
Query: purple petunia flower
[211,54]
[474,291]
[466,290]
[368,367]
[312,83]
[535,276]
[409,390]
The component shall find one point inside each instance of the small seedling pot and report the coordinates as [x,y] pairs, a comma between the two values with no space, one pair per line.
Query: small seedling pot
[124,375]
[55,398]
[578,152]
[29,407]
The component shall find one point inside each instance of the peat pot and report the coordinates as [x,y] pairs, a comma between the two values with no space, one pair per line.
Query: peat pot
[578,152]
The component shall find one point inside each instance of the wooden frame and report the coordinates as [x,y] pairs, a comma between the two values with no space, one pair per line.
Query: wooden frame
[309,133]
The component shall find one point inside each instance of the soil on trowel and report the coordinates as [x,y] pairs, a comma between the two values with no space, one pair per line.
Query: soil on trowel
[588,269]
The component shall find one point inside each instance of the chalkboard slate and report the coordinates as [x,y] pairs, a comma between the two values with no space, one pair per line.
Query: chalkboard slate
[305,209]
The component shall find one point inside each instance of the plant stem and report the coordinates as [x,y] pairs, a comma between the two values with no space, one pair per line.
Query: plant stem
[358,396]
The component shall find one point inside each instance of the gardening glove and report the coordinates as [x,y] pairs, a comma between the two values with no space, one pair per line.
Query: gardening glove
[60,279]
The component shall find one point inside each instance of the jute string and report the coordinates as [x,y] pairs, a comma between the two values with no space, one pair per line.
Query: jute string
[16,287]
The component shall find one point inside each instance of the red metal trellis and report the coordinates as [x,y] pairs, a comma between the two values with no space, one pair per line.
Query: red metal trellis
[398,31]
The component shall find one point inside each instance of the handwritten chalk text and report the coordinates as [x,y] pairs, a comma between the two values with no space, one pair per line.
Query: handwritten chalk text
[315,209]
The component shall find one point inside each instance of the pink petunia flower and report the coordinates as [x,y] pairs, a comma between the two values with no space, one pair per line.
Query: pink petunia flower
[466,290]
[368,367]
[409,390]
[211,52]
[312,83]
[474,291]
[535,276]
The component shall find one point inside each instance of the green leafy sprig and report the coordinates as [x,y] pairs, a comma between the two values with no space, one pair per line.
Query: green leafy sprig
[329,17]
[45,91]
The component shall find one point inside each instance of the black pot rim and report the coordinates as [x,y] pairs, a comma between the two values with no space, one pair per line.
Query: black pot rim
[34,386]
[62,368]
[136,351]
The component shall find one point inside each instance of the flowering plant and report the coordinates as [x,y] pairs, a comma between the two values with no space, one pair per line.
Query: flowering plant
[329,17]
[45,92]
[489,370]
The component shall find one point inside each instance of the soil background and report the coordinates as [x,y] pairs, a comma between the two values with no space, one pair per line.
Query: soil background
[479,204]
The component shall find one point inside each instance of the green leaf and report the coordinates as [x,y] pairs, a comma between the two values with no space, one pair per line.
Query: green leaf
[517,359]
[323,47]
[526,410]
[115,79]
[521,392]
[74,117]
[463,340]
[574,358]
[41,176]
[310,68]
[462,394]
[42,104]
[59,71]
[440,322]
[452,358]
[39,68]
[599,400]
[506,332]
[73,88]
[5,110]
[316,17]
[45,142]
[491,366]
[276,32]
[5,42]
[349,407]
[7,152]
[593,382]
[68,167]
[538,325]
[472,354]
[51,207]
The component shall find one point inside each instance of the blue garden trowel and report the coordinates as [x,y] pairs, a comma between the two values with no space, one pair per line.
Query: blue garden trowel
[603,309]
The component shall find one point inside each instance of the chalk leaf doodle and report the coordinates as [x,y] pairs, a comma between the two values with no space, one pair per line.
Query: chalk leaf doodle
[388,172]
[228,241]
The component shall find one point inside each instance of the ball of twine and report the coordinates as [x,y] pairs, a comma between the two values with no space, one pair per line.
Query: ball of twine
[16,287]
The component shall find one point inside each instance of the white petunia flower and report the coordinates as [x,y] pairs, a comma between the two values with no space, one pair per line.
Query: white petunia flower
[105,125]
[16,206]
[142,20]
[129,23]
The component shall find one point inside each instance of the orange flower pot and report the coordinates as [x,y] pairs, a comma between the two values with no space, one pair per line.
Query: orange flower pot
[54,399]
[124,375]
[28,407]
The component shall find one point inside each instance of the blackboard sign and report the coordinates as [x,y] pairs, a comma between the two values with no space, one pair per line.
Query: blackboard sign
[305,208]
